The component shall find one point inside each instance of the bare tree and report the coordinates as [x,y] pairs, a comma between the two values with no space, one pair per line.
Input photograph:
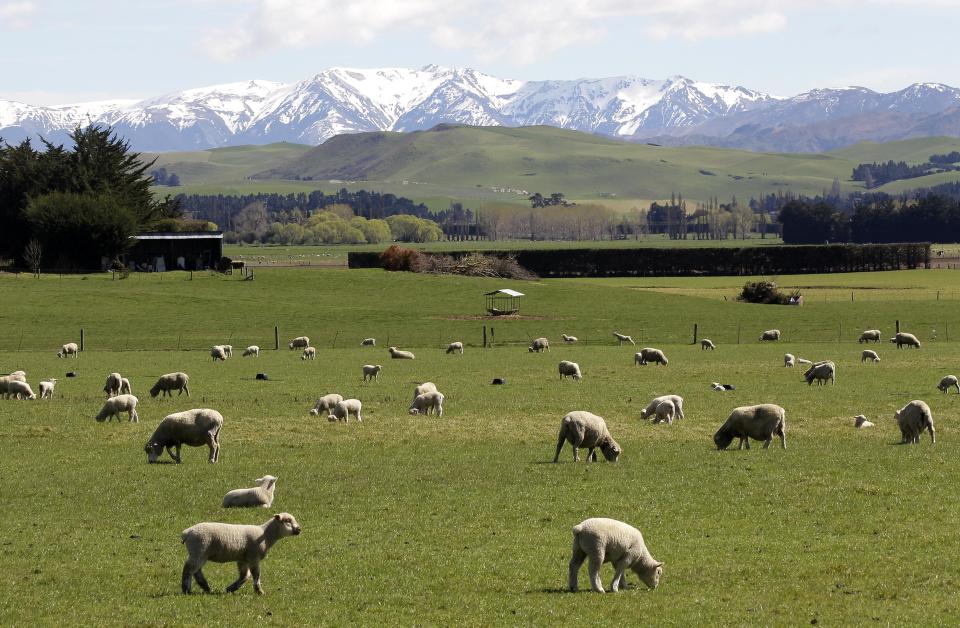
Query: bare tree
[32,255]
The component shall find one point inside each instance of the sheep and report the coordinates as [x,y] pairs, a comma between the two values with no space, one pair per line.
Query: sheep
[760,422]
[425,387]
[584,429]
[717,386]
[368,342]
[948,382]
[539,346]
[197,427]
[16,376]
[803,361]
[903,338]
[569,369]
[112,385]
[821,372]
[217,353]
[260,495]
[455,347]
[870,334]
[113,406]
[604,540]
[665,412]
[788,359]
[649,354]
[424,403]
[771,335]
[371,372]
[309,353]
[621,338]
[861,422]
[706,343]
[70,348]
[867,354]
[125,387]
[568,339]
[228,350]
[300,342]
[913,418]
[246,545]
[253,350]
[20,390]
[171,381]
[397,354]
[343,409]
[651,408]
[326,403]
[46,388]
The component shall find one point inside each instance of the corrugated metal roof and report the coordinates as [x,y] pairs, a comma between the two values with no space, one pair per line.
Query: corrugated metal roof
[508,292]
[184,235]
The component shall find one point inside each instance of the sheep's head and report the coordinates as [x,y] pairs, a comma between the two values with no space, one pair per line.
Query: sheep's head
[722,438]
[650,574]
[664,360]
[288,524]
[332,418]
[153,451]
[611,450]
[266,481]
[314,412]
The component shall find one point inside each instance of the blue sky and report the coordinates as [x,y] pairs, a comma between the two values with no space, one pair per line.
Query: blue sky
[58,51]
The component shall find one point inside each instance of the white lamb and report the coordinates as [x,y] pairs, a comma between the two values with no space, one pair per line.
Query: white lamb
[717,386]
[788,359]
[861,422]
[569,369]
[870,335]
[113,406]
[20,390]
[397,354]
[309,353]
[867,354]
[803,361]
[425,387]
[913,419]
[604,540]
[455,347]
[649,354]
[427,402]
[112,385]
[771,335]
[665,412]
[228,350]
[125,387]
[585,429]
[343,410]
[368,342]
[300,342]
[253,350]
[371,372]
[568,339]
[245,545]
[326,404]
[948,382]
[651,408]
[622,338]
[217,353]
[706,343]
[46,388]
[71,348]
[260,495]
[16,376]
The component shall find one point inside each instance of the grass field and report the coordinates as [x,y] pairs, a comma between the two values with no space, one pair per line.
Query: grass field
[463,520]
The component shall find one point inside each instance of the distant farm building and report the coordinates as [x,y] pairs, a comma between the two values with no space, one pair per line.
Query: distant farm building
[163,251]
[503,302]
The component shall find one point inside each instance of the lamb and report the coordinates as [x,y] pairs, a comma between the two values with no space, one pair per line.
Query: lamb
[326,404]
[455,347]
[260,495]
[253,350]
[246,545]
[610,541]
[425,387]
[621,338]
[16,376]
[913,418]
[197,427]
[343,409]
[125,387]
[113,406]
[568,339]
[584,429]
[903,338]
[803,361]
[20,390]
[948,382]
[368,342]
[397,354]
[649,354]
[665,412]
[870,334]
[788,359]
[217,353]
[46,388]
[228,350]
[821,372]
[706,343]
[861,422]
[760,422]
[539,346]
[309,353]
[867,354]
[171,381]
[425,402]
[112,385]
[570,369]
[371,372]
[651,408]
[717,386]
[300,342]
[70,348]
[771,335]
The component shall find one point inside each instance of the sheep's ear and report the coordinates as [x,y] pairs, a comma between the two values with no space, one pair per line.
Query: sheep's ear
[660,564]
[277,517]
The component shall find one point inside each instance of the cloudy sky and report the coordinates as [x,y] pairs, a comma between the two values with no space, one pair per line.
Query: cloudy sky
[58,51]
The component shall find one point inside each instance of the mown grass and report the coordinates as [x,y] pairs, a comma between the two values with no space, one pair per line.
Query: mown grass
[418,520]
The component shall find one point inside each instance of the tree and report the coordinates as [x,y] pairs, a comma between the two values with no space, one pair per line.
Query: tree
[32,255]
[536,200]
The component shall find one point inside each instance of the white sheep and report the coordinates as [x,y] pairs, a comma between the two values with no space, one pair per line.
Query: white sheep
[665,412]
[125,387]
[649,354]
[371,372]
[861,422]
[397,354]
[195,428]
[300,342]
[622,338]
[788,359]
[309,353]
[539,346]
[760,422]
[113,406]
[228,350]
[651,408]
[867,354]
[426,402]
[803,361]
[71,348]
[913,419]
[425,387]
[253,350]
[821,372]
[112,385]
[717,386]
[585,429]
[326,404]
[870,334]
[706,343]
[568,339]
[260,495]
[246,545]
[368,342]
[771,335]
[903,338]
[948,382]
[455,347]
[604,540]
[217,353]
[171,381]
[343,410]
[569,369]
[16,376]
[46,388]
[20,390]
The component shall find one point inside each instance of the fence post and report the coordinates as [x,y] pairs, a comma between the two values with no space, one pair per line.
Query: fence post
[81,338]
[694,333]
[491,336]
[738,332]
[898,325]
[851,296]
[276,337]
[484,336]
[840,337]
[946,330]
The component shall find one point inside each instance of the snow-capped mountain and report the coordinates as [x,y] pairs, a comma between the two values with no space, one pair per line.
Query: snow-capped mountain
[341,100]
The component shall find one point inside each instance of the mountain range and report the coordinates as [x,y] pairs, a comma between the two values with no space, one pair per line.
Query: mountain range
[674,111]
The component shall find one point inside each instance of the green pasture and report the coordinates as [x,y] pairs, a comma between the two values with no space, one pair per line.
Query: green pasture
[463,519]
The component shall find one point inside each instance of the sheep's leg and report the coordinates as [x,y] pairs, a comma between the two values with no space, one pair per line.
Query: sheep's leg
[596,560]
[242,579]
[359,418]
[619,579]
[592,455]
[255,572]
[933,438]
[576,561]
[201,580]
[214,446]
[560,441]
[767,442]
[186,581]
[174,454]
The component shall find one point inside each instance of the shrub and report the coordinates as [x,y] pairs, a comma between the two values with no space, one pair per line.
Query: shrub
[397,257]
[763,292]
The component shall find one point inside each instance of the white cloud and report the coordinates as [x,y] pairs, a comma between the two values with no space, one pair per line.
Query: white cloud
[16,15]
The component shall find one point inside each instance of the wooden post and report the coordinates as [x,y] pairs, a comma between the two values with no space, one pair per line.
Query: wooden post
[81,338]
[938,295]
[738,332]
[491,336]
[840,337]
[484,336]
[898,325]
[179,337]
[851,296]
[694,333]
[276,337]
[946,329]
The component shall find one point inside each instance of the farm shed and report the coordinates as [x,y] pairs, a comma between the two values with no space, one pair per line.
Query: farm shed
[504,301]
[163,251]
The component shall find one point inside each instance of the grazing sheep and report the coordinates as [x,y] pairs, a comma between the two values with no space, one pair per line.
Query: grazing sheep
[568,339]
[651,408]
[371,372]
[622,338]
[803,361]
[771,335]
[455,347]
[913,418]
[368,342]
[113,406]
[584,429]
[861,422]
[309,353]
[112,385]
[903,338]
[717,386]
[539,346]
[228,350]
[260,495]
[821,372]
[610,541]
[16,376]
[300,342]
[125,387]
[71,348]
[948,382]
[197,427]
[425,387]
[217,353]
[867,354]
[706,343]
[246,545]
[665,412]
[171,381]
[343,409]
[46,388]
[20,390]
[326,403]
[788,359]
[397,354]
[760,422]
[570,369]
[649,354]
[253,350]
[425,402]
[870,334]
